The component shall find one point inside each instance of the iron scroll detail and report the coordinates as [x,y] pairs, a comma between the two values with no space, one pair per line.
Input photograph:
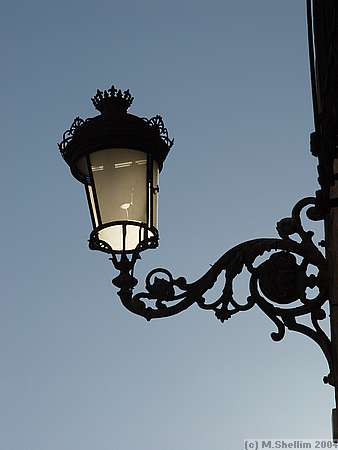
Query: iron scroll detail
[157,124]
[279,285]
[68,134]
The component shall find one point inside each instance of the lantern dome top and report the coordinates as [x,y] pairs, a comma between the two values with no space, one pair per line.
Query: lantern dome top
[114,127]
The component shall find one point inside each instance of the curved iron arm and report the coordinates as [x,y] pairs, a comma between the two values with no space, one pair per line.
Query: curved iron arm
[278,285]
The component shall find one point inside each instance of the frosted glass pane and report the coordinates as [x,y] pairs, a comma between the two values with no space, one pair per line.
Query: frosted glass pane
[113,235]
[120,178]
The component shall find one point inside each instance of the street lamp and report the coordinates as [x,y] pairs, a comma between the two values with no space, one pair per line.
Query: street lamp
[118,157]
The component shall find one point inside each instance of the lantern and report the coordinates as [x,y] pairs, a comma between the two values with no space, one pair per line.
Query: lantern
[118,157]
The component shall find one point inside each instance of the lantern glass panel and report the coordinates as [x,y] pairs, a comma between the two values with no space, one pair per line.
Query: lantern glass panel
[119,194]
[120,179]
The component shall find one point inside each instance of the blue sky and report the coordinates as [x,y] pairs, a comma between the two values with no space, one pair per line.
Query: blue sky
[231,80]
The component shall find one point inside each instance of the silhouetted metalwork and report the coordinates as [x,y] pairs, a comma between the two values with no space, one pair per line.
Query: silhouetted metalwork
[157,123]
[68,135]
[103,100]
[278,286]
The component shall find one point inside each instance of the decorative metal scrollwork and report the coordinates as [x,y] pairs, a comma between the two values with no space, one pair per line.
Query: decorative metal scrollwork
[279,285]
[157,123]
[68,135]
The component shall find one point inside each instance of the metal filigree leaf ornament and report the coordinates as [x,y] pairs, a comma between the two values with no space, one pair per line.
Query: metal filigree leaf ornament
[68,134]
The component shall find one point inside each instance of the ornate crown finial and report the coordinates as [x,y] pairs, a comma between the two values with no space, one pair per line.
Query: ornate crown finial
[112,100]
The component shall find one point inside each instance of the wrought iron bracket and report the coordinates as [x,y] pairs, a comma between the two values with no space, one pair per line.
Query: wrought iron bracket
[279,285]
